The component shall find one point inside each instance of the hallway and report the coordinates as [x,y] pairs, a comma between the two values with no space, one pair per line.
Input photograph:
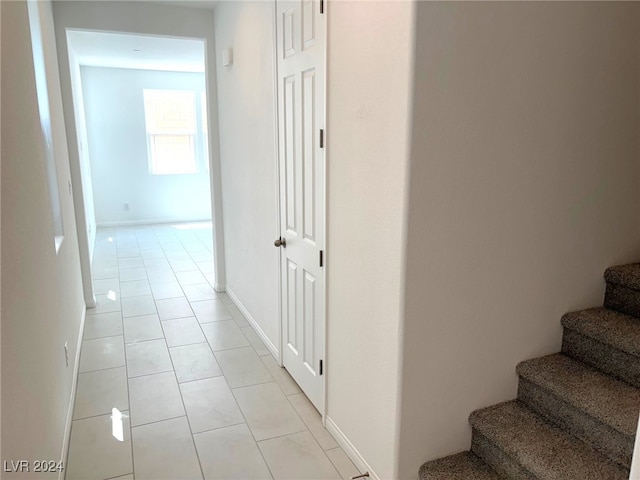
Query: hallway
[198,393]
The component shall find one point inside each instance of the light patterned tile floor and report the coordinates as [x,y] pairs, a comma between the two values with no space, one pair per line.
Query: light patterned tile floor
[199,394]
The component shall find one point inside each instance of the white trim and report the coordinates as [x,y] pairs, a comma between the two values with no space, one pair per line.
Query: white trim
[635,461]
[276,156]
[348,447]
[92,302]
[72,400]
[215,162]
[74,144]
[325,387]
[100,24]
[263,336]
[129,223]
[220,287]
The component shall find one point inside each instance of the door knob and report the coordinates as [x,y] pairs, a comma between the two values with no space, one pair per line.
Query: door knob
[280,242]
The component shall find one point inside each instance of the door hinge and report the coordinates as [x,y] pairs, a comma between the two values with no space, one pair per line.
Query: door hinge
[321,258]
[321,6]
[321,138]
[321,369]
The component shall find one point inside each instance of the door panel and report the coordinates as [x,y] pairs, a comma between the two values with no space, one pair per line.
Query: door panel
[309,322]
[291,297]
[287,31]
[290,151]
[309,131]
[300,51]
[308,23]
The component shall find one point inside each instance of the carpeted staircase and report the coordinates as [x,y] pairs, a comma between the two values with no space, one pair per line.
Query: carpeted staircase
[576,413]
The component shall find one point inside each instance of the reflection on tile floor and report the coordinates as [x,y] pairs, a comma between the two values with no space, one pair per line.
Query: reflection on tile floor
[201,396]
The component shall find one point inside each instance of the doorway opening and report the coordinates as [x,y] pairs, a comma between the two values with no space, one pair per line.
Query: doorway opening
[142,128]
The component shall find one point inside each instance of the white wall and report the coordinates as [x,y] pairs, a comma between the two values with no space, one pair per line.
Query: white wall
[369,79]
[247,154]
[117,139]
[150,19]
[524,188]
[366,185]
[42,306]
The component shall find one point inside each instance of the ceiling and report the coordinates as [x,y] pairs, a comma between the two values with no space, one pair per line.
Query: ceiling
[121,50]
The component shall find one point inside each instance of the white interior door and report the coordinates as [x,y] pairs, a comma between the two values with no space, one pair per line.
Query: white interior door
[301,112]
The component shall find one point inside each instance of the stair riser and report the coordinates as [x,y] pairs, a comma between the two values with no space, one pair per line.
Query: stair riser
[503,464]
[615,445]
[462,466]
[601,356]
[623,299]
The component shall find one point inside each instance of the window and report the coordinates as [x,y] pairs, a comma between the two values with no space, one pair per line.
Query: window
[170,117]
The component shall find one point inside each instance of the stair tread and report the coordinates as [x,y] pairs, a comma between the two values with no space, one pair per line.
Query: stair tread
[627,275]
[541,449]
[607,326]
[462,466]
[611,401]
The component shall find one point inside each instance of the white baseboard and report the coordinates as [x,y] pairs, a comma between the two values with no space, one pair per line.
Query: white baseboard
[131,223]
[72,400]
[91,302]
[351,451]
[348,447]
[263,336]
[220,287]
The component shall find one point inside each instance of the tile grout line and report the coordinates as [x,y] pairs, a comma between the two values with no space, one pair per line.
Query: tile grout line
[184,407]
[189,249]
[180,389]
[233,396]
[126,366]
[248,427]
[307,425]
[146,424]
[111,368]
[280,388]
[104,414]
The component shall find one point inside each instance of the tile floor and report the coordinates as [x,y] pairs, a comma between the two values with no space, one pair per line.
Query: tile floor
[200,395]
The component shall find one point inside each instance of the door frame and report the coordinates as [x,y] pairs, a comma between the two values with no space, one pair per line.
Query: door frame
[64,57]
[276,101]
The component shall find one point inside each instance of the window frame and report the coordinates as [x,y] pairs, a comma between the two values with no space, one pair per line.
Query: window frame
[189,164]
